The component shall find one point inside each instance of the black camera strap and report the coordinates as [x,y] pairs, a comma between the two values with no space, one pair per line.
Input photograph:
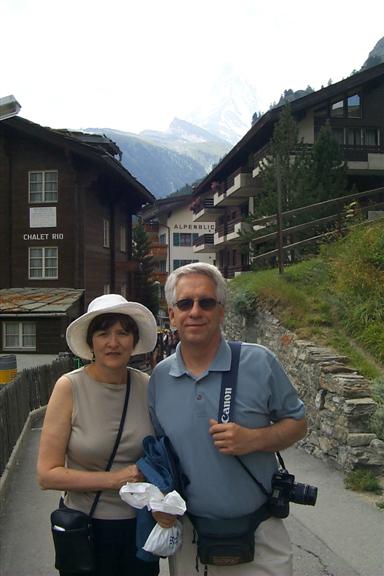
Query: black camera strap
[227,397]
[117,440]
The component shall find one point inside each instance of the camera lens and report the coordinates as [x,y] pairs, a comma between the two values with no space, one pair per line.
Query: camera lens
[304,494]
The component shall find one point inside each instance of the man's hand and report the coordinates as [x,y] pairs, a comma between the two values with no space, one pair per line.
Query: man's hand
[165,520]
[231,438]
[237,440]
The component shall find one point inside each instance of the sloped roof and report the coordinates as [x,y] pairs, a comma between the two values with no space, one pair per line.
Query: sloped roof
[98,140]
[164,205]
[37,300]
[99,149]
[266,122]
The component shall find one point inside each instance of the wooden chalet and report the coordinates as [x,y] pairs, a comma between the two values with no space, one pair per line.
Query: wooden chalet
[66,230]
[353,108]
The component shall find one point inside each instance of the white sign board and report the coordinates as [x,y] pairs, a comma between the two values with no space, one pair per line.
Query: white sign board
[42,217]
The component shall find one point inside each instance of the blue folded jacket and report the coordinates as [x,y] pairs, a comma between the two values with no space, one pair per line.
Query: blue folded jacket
[160,466]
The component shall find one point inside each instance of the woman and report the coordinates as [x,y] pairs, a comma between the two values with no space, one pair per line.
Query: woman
[82,421]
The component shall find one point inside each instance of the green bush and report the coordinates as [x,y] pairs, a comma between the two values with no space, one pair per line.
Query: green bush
[244,303]
[362,480]
[377,420]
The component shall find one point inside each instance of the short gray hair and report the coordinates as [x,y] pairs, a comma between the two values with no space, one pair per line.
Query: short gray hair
[196,268]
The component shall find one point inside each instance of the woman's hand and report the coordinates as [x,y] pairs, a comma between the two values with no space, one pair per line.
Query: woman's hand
[129,473]
[165,520]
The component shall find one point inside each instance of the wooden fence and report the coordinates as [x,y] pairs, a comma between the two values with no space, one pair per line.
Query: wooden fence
[313,231]
[30,390]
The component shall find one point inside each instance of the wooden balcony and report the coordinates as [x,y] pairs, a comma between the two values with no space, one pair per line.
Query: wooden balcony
[241,187]
[158,251]
[152,227]
[204,244]
[204,211]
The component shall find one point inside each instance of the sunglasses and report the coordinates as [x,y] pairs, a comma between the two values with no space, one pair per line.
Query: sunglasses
[204,303]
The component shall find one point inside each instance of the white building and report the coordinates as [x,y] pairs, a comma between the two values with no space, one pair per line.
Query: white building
[175,239]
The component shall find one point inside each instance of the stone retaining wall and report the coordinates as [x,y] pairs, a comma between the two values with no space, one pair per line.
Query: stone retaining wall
[337,399]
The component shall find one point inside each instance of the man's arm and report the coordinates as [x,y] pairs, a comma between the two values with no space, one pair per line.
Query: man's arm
[237,440]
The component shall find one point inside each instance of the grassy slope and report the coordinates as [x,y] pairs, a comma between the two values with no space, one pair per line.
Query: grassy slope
[335,299]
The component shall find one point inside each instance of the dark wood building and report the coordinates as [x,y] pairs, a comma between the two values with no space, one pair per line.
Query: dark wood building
[65,223]
[354,110]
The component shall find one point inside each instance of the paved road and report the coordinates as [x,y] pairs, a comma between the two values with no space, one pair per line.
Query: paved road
[343,535]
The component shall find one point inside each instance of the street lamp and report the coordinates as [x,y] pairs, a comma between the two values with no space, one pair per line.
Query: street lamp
[9,107]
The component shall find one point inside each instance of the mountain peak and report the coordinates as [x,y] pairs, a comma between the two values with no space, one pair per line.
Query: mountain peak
[230,115]
[186,130]
[376,55]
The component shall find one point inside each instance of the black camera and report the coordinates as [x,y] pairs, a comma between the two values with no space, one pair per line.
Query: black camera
[286,490]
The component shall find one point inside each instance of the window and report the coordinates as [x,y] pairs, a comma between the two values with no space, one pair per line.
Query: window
[371,137]
[181,239]
[353,136]
[337,109]
[349,107]
[43,186]
[162,266]
[357,136]
[106,241]
[178,263]
[163,239]
[19,335]
[43,263]
[353,106]
[123,238]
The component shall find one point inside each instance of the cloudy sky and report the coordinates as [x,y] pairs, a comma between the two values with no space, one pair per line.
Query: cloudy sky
[135,64]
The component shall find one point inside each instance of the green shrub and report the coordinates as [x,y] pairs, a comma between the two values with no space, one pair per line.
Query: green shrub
[337,298]
[362,481]
[377,420]
[244,303]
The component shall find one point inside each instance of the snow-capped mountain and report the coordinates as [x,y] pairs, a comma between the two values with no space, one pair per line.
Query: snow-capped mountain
[189,140]
[232,102]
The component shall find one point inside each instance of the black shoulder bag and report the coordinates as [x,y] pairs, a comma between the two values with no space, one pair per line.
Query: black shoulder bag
[72,529]
[229,541]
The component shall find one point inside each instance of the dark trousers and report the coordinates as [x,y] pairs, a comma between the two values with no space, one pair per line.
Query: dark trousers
[115,546]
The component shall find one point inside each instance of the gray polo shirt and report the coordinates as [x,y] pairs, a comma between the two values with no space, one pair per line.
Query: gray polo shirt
[181,406]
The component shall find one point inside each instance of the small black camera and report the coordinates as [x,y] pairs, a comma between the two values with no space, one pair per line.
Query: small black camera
[286,490]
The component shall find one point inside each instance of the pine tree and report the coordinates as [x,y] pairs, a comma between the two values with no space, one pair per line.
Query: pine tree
[146,290]
[326,175]
[306,175]
[285,157]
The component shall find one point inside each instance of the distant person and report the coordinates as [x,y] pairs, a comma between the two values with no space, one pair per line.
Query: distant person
[174,340]
[184,393]
[81,424]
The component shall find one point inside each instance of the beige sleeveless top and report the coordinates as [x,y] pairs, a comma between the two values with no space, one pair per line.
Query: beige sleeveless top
[97,410]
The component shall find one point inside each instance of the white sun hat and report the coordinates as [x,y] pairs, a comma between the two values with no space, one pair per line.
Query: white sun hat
[76,334]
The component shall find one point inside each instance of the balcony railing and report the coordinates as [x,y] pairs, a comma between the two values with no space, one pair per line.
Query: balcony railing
[158,251]
[232,271]
[204,243]
[204,239]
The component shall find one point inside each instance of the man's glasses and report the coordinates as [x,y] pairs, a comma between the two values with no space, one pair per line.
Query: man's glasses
[186,304]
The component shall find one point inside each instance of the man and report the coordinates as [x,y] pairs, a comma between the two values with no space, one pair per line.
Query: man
[184,396]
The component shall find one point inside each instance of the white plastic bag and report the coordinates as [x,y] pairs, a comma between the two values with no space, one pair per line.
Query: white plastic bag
[164,541]
[172,503]
[140,494]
